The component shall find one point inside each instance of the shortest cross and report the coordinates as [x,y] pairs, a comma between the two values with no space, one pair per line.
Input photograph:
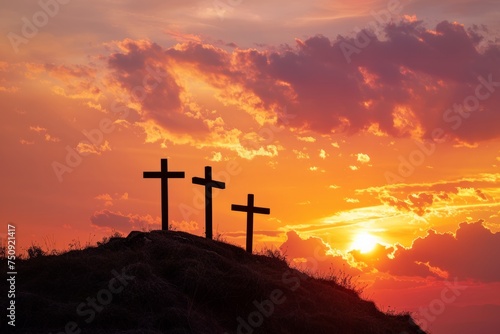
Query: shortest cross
[250,210]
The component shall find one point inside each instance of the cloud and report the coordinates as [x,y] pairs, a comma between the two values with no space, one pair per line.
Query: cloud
[183,37]
[467,254]
[482,180]
[300,154]
[69,73]
[85,147]
[363,158]
[11,89]
[26,142]
[441,198]
[72,81]
[43,132]
[38,129]
[50,138]
[255,233]
[188,226]
[417,203]
[322,154]
[411,79]
[401,85]
[216,156]
[314,255]
[143,71]
[351,200]
[307,139]
[157,80]
[106,198]
[121,222]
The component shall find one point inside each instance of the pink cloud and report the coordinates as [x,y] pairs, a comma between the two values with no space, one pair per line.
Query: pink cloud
[417,203]
[313,255]
[406,84]
[143,70]
[469,254]
[122,222]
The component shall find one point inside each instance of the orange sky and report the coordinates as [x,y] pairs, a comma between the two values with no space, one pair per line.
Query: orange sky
[377,150]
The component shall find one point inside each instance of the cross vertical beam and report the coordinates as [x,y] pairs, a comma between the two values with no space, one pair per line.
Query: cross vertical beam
[209,183]
[164,175]
[250,209]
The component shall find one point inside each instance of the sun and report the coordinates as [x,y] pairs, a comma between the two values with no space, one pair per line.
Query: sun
[364,242]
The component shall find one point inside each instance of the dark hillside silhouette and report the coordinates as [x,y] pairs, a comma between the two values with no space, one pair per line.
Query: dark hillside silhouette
[174,282]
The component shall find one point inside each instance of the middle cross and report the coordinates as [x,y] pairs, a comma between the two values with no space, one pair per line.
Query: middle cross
[209,184]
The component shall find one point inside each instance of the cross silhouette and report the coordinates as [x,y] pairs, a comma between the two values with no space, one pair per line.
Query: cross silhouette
[209,184]
[164,175]
[250,210]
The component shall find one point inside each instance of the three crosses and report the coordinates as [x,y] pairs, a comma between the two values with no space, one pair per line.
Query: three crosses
[164,174]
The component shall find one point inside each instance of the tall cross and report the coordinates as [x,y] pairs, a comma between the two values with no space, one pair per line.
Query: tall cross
[209,184]
[250,210]
[164,175]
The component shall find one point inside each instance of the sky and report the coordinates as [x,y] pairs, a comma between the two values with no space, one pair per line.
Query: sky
[369,128]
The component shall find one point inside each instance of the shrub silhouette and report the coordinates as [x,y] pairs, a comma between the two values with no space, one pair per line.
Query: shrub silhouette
[35,251]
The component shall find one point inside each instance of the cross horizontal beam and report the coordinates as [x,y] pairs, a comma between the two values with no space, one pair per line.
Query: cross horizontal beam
[160,175]
[255,209]
[208,182]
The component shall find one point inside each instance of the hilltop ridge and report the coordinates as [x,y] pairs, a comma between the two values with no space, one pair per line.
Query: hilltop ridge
[174,282]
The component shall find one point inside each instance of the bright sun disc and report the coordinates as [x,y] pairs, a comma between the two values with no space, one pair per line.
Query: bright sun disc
[364,242]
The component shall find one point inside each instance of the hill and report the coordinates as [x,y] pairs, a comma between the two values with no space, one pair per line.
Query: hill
[174,282]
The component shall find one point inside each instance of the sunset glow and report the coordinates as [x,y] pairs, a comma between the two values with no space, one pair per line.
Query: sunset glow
[364,242]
